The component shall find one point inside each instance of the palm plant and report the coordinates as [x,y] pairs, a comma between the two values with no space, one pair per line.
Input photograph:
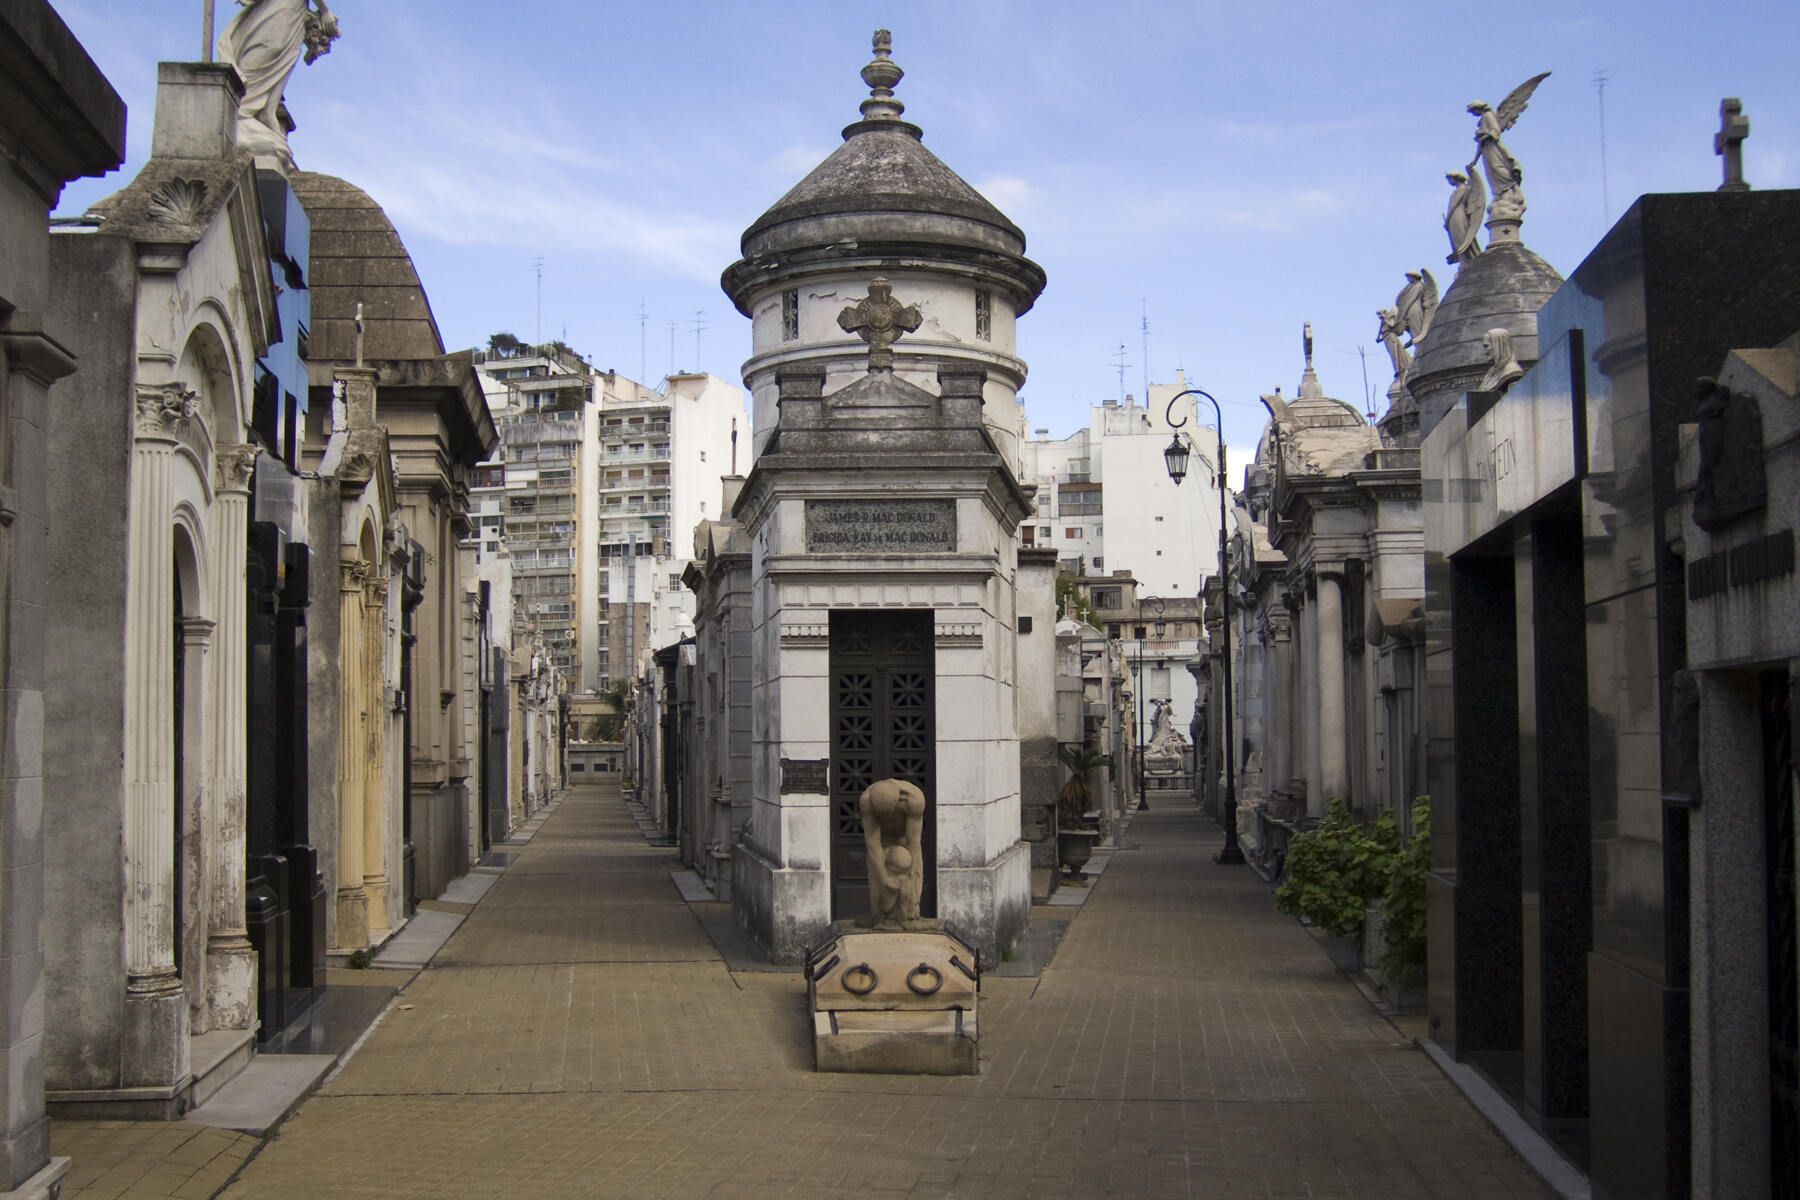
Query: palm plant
[1077,795]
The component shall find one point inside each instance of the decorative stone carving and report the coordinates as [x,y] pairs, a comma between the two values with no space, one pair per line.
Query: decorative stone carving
[893,820]
[1501,168]
[1732,481]
[232,465]
[176,201]
[1503,365]
[1462,216]
[265,42]
[166,409]
[879,320]
[354,574]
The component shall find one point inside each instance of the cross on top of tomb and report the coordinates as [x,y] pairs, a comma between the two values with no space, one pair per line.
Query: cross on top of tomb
[1728,143]
[879,320]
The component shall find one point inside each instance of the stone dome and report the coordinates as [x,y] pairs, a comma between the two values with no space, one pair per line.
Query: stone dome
[1501,288]
[882,194]
[356,257]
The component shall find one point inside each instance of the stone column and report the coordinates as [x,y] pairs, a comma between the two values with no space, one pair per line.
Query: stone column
[374,790]
[1334,779]
[1278,764]
[352,900]
[230,962]
[154,1049]
[199,747]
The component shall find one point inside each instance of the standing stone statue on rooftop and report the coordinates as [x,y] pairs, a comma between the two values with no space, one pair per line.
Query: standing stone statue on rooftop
[1462,216]
[265,43]
[1417,304]
[1389,335]
[1501,168]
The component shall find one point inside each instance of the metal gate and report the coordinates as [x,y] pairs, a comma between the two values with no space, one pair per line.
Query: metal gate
[883,719]
[1784,1015]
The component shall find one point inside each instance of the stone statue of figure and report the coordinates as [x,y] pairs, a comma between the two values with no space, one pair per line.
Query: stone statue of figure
[1161,725]
[265,42]
[1462,217]
[1502,169]
[1389,335]
[1503,366]
[1417,304]
[893,820]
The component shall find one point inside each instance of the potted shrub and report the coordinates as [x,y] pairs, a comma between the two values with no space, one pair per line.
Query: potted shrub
[1075,838]
[1403,912]
[1333,873]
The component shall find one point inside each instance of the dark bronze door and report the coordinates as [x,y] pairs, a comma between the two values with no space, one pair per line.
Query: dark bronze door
[883,716]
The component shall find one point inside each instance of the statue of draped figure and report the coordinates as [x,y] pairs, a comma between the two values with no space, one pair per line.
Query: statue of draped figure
[265,42]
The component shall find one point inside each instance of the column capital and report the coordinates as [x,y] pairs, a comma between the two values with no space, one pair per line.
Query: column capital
[353,574]
[197,631]
[164,410]
[232,464]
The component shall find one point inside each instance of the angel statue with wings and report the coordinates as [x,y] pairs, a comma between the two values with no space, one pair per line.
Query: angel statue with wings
[1503,174]
[265,42]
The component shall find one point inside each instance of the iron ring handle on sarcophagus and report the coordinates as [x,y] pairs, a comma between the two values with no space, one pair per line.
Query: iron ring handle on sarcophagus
[937,979]
[865,969]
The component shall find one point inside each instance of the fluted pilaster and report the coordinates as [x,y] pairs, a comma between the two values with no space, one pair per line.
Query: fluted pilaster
[352,900]
[375,879]
[231,963]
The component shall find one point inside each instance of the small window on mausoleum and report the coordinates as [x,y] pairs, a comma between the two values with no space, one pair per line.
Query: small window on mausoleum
[790,315]
[984,316]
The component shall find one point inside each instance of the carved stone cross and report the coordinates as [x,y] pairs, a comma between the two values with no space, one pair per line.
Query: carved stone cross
[1734,127]
[879,319]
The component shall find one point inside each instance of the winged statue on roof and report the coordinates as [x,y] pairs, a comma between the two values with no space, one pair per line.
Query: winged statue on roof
[1497,162]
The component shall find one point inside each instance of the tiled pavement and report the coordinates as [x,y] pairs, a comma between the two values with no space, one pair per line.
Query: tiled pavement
[580,1036]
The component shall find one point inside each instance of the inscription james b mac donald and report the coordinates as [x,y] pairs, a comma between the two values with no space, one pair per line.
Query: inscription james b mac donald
[875,526]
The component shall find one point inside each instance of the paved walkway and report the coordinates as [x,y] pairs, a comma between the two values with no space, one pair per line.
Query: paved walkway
[580,1036]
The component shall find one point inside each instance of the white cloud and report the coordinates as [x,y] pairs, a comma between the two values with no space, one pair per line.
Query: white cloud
[1009,193]
[796,161]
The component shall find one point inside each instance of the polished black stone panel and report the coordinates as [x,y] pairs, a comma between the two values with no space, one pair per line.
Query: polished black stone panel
[1556,833]
[1488,966]
[1628,1137]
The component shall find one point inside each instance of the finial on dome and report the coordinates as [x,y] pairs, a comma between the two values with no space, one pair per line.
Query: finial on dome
[1309,382]
[881,75]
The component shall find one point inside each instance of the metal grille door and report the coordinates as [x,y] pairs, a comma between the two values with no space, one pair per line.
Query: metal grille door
[883,717]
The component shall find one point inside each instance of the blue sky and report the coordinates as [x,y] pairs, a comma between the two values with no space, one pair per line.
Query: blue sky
[1230,171]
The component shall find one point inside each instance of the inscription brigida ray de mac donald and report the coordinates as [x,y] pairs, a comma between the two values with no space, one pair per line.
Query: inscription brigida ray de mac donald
[881,526]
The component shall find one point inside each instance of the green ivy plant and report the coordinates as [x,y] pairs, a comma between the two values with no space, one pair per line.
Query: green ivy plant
[1403,901]
[1335,870]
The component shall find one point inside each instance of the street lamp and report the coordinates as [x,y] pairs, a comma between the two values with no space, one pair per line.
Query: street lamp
[1176,458]
[1143,799]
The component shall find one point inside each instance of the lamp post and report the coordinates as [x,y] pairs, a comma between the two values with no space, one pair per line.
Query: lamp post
[1176,459]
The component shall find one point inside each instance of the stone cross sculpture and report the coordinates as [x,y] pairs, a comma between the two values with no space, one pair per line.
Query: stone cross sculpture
[1728,143]
[1497,162]
[265,42]
[879,320]
[893,820]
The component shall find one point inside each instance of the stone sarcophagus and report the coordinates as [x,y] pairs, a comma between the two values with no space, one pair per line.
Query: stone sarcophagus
[894,1003]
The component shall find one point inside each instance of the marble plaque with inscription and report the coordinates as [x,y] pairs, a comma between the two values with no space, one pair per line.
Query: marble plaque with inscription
[805,775]
[880,526]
